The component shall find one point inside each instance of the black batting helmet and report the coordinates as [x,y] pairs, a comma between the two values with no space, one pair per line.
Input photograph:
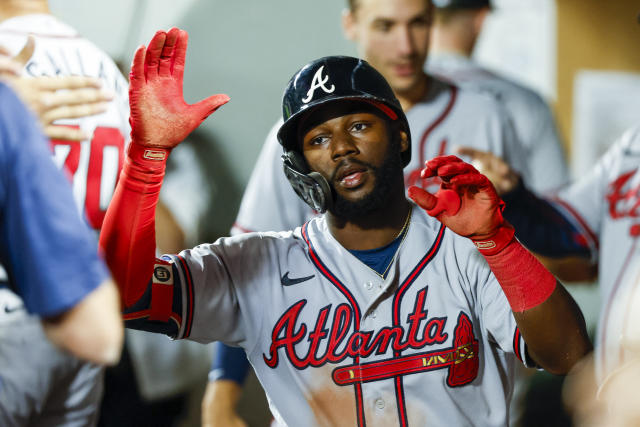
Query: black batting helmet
[461,4]
[320,82]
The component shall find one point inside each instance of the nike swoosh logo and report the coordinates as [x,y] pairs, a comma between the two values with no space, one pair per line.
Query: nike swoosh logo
[9,310]
[286,281]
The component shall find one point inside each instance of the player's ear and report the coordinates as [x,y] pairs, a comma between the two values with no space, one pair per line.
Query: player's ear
[348,24]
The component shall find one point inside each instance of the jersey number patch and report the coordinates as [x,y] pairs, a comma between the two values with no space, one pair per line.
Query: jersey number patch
[93,168]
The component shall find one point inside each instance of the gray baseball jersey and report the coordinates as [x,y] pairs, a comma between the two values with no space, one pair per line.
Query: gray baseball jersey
[604,207]
[445,118]
[532,117]
[335,343]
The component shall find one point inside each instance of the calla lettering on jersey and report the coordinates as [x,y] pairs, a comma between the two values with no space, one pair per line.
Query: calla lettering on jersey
[623,203]
[336,341]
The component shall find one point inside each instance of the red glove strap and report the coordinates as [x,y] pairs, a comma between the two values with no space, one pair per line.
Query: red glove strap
[524,280]
[150,158]
[497,242]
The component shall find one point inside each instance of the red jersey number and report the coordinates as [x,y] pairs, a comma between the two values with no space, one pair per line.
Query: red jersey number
[93,168]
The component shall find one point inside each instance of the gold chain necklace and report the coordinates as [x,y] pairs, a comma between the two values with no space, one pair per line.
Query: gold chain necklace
[403,233]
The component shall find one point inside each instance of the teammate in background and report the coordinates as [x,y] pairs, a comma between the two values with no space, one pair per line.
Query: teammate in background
[592,222]
[52,264]
[76,385]
[91,150]
[341,317]
[393,36]
[456,27]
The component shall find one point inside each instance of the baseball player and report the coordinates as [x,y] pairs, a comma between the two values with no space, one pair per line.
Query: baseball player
[456,27]
[375,312]
[393,36]
[70,291]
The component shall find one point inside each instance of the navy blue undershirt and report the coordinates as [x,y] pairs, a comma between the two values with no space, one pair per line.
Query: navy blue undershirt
[379,258]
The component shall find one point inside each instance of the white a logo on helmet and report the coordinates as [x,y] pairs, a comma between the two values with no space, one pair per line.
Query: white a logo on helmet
[318,82]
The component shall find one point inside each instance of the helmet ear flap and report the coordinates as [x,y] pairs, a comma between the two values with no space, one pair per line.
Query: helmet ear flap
[296,161]
[311,187]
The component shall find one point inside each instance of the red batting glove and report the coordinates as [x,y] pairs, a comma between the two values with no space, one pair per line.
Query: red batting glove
[159,116]
[466,202]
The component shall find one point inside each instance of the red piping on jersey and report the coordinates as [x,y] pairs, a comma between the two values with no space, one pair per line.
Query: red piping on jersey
[356,311]
[241,228]
[611,298]
[516,344]
[402,410]
[145,313]
[581,221]
[436,122]
[189,319]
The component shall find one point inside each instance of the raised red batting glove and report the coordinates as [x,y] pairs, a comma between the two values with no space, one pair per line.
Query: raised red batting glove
[466,203]
[160,117]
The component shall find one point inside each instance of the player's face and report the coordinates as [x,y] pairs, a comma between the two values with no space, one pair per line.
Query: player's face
[359,159]
[393,36]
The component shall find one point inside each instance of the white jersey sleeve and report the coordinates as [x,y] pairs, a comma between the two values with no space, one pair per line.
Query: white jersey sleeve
[269,202]
[584,202]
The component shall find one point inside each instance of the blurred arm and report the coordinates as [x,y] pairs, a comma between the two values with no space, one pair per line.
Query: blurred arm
[93,329]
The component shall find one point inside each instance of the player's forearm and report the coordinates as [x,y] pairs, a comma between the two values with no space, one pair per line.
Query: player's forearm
[128,231]
[219,404]
[555,332]
[93,329]
[548,318]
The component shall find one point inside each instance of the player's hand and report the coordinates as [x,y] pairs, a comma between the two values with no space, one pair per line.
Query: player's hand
[159,115]
[58,98]
[503,178]
[466,202]
[54,98]
[9,67]
[219,404]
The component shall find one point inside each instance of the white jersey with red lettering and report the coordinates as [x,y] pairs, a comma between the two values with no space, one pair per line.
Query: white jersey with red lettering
[93,164]
[532,117]
[445,118]
[335,343]
[605,206]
